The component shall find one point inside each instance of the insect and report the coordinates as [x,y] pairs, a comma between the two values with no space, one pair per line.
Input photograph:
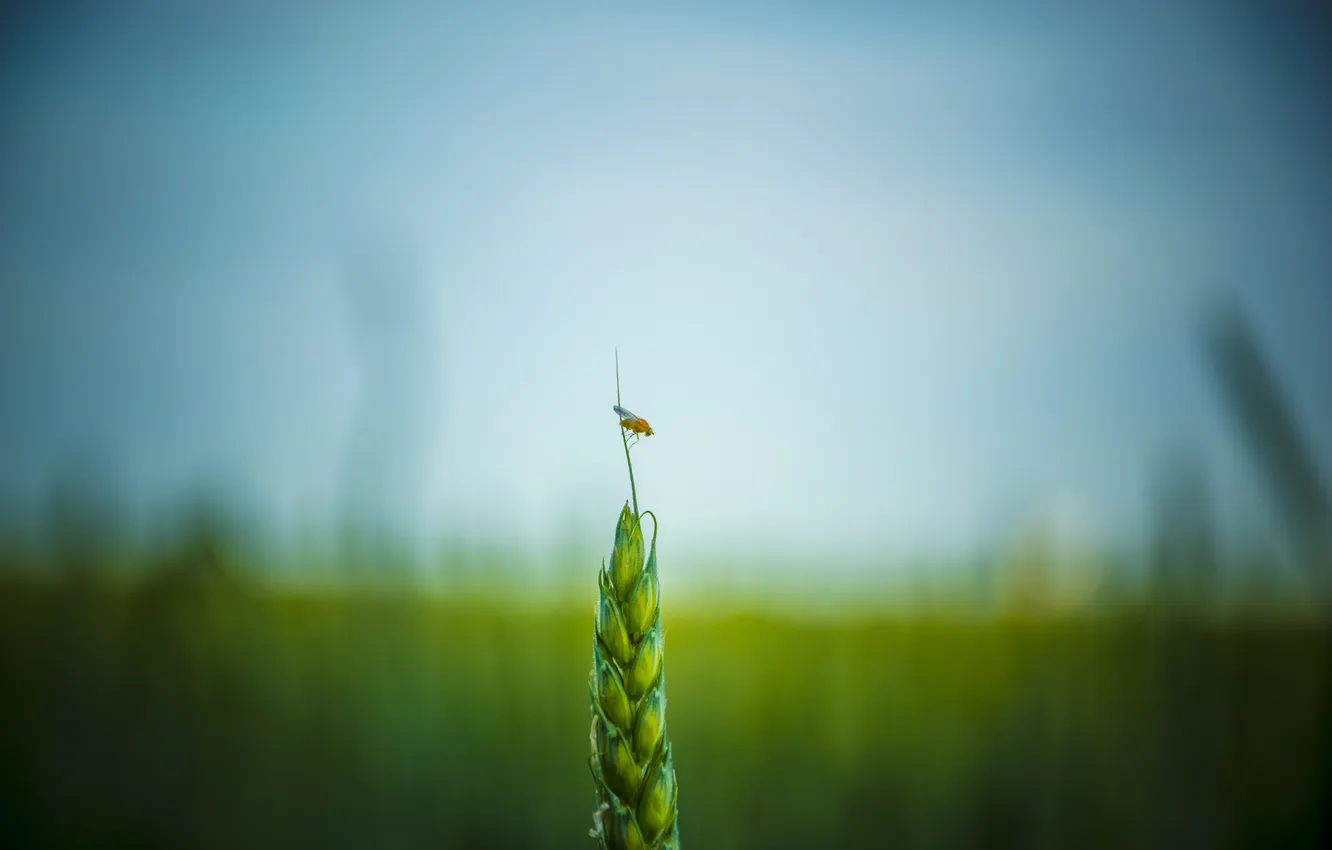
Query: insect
[630,422]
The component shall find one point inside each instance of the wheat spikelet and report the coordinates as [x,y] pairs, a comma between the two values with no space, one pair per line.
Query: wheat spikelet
[631,758]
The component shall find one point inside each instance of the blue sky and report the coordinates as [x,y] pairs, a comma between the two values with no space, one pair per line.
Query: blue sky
[882,279]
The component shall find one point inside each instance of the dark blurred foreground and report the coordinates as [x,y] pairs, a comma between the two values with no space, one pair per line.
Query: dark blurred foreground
[198,710]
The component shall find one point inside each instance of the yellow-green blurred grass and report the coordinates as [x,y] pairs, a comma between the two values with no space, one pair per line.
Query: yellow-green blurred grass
[219,715]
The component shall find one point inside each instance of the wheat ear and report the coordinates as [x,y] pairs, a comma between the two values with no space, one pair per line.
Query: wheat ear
[631,758]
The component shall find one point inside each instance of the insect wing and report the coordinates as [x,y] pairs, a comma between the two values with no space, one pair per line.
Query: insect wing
[624,414]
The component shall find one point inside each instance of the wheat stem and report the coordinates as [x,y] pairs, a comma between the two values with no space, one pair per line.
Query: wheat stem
[624,437]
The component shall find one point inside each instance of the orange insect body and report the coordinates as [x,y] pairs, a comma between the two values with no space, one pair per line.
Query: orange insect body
[630,422]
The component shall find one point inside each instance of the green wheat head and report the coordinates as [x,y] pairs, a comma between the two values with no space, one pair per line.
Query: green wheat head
[631,758]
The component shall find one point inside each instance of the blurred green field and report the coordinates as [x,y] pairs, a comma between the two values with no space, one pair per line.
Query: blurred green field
[193,713]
